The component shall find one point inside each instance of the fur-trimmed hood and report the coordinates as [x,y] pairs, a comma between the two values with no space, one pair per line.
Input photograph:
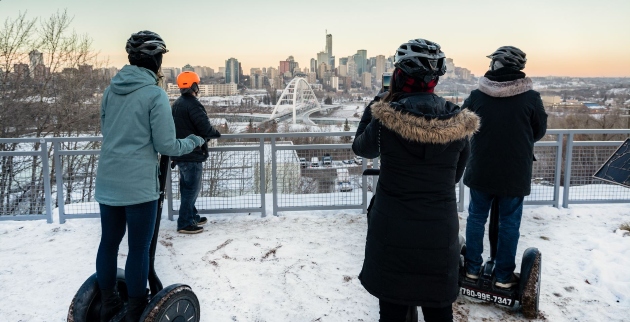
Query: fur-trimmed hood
[505,89]
[426,129]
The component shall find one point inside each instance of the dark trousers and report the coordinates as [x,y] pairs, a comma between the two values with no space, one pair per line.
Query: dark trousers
[510,213]
[391,312]
[189,187]
[140,219]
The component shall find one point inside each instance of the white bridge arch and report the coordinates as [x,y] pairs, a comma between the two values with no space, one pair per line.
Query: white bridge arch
[298,96]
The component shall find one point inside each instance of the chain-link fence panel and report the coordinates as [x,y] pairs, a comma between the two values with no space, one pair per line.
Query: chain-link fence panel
[75,165]
[543,174]
[585,161]
[230,180]
[318,177]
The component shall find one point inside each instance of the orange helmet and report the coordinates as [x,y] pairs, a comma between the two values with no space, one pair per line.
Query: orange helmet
[187,79]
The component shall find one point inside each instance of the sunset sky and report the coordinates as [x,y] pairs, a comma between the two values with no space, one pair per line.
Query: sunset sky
[560,37]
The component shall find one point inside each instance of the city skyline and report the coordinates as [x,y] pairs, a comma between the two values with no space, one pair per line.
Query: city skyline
[564,38]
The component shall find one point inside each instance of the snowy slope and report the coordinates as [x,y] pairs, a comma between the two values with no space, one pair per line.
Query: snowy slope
[303,266]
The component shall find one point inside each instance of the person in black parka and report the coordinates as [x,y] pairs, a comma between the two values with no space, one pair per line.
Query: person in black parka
[513,118]
[191,118]
[412,247]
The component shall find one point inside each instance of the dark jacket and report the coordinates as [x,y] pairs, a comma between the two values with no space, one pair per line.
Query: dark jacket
[512,119]
[191,118]
[412,249]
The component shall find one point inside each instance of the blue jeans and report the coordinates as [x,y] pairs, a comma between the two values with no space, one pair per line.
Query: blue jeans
[510,213]
[140,219]
[189,187]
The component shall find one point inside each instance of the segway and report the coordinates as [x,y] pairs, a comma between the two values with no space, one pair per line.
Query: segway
[526,293]
[175,303]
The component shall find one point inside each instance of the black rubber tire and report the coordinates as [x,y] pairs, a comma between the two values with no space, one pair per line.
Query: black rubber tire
[529,288]
[175,303]
[86,304]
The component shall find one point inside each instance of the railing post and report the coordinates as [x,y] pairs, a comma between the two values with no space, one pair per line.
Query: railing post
[263,178]
[558,171]
[274,180]
[59,179]
[567,171]
[46,174]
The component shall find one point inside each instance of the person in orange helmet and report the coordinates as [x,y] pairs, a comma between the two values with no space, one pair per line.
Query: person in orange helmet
[191,118]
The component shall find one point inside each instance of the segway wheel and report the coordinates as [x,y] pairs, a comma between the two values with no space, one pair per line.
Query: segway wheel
[531,267]
[86,304]
[175,303]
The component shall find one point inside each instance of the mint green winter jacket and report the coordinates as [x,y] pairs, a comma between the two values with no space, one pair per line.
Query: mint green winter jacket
[137,124]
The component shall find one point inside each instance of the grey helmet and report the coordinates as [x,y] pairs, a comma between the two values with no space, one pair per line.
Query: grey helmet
[420,58]
[146,42]
[508,56]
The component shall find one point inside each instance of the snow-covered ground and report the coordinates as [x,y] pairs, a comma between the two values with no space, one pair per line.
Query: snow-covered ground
[303,266]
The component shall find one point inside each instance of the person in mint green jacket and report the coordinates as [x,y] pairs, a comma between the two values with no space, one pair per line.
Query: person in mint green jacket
[137,124]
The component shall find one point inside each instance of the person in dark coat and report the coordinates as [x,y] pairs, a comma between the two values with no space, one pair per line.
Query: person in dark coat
[502,152]
[191,118]
[412,247]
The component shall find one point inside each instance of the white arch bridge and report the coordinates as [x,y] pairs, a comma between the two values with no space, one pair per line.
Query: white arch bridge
[297,97]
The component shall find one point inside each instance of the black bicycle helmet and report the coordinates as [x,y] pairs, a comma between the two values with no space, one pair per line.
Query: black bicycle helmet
[420,58]
[146,42]
[509,56]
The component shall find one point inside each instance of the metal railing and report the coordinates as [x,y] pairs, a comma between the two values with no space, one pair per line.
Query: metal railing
[288,171]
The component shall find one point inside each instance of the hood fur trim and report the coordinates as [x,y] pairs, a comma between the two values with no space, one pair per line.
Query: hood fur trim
[505,89]
[420,129]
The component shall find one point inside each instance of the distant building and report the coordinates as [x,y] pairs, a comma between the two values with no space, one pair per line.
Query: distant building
[321,70]
[313,68]
[208,89]
[317,87]
[366,80]
[311,78]
[334,82]
[380,66]
[257,80]
[343,70]
[21,70]
[352,70]
[36,59]
[284,66]
[360,59]
[188,68]
[272,73]
[232,71]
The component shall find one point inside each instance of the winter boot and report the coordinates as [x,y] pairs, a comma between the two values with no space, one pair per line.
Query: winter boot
[135,307]
[111,303]
[513,281]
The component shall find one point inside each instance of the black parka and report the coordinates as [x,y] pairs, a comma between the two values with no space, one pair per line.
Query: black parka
[191,118]
[412,249]
[502,152]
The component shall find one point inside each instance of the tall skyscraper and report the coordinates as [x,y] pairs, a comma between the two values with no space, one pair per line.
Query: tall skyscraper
[360,59]
[36,58]
[381,65]
[329,44]
[322,57]
[329,51]
[313,65]
[231,71]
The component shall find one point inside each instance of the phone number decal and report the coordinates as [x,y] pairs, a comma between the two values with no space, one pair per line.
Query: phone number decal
[487,297]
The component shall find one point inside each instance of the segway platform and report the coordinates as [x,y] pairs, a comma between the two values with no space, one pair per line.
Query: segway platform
[525,293]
